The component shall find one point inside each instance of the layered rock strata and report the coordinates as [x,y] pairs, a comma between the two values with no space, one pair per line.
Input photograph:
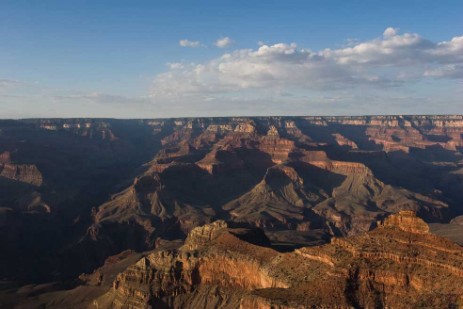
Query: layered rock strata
[398,265]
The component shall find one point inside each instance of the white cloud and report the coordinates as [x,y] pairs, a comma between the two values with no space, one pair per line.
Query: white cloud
[223,42]
[390,60]
[188,43]
[175,65]
[390,32]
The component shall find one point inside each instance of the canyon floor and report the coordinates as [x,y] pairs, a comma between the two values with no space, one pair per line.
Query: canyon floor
[251,212]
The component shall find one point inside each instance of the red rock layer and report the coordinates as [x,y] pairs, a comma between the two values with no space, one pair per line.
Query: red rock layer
[388,267]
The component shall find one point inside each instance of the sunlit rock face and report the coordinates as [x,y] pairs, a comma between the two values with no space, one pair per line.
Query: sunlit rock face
[407,221]
[25,173]
[391,266]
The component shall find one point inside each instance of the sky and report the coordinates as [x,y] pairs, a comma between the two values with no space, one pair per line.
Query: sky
[156,59]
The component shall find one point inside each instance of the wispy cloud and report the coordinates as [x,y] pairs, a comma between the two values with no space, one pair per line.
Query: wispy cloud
[102,98]
[8,84]
[188,43]
[223,42]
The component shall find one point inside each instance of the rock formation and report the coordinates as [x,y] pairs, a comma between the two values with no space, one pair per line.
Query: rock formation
[389,267]
[406,220]
[270,173]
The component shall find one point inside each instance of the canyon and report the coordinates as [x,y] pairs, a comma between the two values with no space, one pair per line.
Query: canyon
[250,212]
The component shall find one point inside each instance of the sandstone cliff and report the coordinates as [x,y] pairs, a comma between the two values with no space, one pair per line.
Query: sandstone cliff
[398,265]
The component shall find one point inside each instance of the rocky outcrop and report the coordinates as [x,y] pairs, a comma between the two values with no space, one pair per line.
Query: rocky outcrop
[21,172]
[407,221]
[246,127]
[343,141]
[212,257]
[458,220]
[277,148]
[388,267]
[201,236]
[88,128]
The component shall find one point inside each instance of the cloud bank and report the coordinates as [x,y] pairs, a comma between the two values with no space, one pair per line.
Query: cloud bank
[391,60]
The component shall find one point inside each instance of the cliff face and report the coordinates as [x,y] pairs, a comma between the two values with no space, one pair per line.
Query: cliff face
[19,187]
[23,173]
[88,128]
[391,266]
[407,221]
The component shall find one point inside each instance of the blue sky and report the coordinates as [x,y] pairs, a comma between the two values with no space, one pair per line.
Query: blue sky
[125,58]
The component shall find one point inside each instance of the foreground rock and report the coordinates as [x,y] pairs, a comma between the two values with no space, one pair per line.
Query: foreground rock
[398,265]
